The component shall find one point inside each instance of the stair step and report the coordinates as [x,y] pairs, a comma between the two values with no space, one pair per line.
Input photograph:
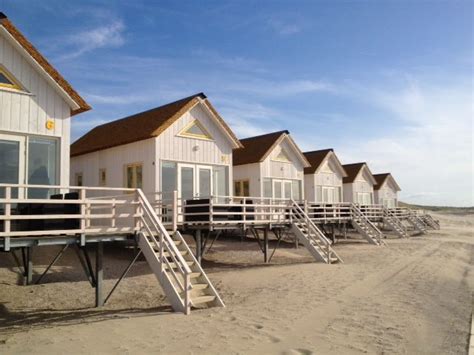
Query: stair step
[174,266]
[202,299]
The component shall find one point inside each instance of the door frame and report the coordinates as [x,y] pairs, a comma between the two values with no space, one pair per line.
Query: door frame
[22,161]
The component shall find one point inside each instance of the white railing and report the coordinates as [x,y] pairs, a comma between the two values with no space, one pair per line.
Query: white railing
[92,210]
[328,212]
[172,264]
[313,231]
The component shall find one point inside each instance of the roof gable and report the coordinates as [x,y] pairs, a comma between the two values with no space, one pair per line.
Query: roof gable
[354,170]
[145,125]
[77,103]
[257,149]
[317,159]
[384,179]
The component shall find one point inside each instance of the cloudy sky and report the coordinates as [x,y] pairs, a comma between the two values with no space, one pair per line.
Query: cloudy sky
[387,82]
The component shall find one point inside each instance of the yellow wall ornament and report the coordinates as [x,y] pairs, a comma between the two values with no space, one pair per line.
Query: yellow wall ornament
[49,125]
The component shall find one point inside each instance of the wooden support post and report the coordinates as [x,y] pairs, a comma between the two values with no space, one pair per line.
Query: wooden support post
[333,233]
[265,245]
[99,274]
[198,238]
[29,266]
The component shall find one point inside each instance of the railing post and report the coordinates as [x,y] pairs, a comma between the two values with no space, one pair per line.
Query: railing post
[211,210]
[114,212]
[138,211]
[82,194]
[175,211]
[244,217]
[187,290]
[8,209]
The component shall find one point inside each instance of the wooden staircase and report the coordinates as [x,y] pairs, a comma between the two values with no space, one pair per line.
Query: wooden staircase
[417,223]
[365,227]
[311,236]
[183,280]
[430,221]
[395,223]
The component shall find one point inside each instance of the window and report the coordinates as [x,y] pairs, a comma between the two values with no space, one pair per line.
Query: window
[42,165]
[78,179]
[7,80]
[102,177]
[282,156]
[195,130]
[242,188]
[296,187]
[267,188]
[134,176]
[220,180]
[169,177]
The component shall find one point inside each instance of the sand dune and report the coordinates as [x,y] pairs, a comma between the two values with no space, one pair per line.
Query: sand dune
[413,296]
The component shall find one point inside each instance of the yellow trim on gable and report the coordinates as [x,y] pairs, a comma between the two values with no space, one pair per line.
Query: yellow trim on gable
[15,84]
[184,133]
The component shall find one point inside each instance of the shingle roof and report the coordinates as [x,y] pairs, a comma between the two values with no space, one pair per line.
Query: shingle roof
[255,149]
[382,178]
[316,158]
[352,171]
[48,68]
[141,126]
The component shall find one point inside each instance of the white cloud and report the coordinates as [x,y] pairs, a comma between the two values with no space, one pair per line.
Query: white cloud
[431,151]
[266,88]
[284,28]
[105,36]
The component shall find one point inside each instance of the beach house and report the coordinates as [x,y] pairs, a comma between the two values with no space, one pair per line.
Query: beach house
[386,190]
[184,146]
[358,185]
[269,166]
[323,179]
[36,106]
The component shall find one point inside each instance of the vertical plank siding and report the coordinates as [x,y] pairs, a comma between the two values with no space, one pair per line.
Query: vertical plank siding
[26,113]
[328,176]
[168,146]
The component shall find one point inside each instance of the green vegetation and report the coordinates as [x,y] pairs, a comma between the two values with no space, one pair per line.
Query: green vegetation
[448,209]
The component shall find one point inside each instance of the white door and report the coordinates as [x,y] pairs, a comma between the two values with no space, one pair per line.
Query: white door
[204,181]
[194,181]
[186,181]
[12,162]
[277,189]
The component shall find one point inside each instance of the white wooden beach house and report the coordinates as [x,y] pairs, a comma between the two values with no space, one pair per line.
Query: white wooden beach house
[184,146]
[358,185]
[323,179]
[386,190]
[269,166]
[36,105]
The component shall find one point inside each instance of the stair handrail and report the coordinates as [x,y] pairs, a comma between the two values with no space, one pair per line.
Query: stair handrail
[167,244]
[199,268]
[369,222]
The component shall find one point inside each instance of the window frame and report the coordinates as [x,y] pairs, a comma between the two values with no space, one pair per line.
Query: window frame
[104,182]
[15,83]
[241,185]
[206,136]
[134,175]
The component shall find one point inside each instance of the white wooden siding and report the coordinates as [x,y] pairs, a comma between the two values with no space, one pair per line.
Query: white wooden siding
[249,172]
[385,193]
[27,113]
[113,160]
[171,147]
[166,147]
[362,183]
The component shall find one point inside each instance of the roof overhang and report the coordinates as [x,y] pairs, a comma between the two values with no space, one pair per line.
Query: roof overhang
[293,146]
[51,75]
[333,156]
[219,121]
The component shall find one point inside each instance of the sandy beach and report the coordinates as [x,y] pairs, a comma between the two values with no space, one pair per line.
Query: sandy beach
[412,297]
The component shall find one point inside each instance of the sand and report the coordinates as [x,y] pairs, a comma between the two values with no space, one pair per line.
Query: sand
[412,297]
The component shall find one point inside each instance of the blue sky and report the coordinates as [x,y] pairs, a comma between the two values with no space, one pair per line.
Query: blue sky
[387,82]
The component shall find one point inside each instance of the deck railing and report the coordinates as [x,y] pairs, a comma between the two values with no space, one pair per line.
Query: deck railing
[76,210]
